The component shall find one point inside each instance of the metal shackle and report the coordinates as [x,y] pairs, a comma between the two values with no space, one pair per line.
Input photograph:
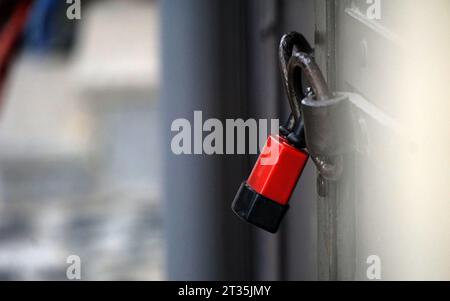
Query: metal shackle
[290,44]
[299,63]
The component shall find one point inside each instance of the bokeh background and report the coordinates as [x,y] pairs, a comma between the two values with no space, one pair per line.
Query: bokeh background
[80,145]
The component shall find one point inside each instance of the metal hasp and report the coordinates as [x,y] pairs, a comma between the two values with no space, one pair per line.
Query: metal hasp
[324,115]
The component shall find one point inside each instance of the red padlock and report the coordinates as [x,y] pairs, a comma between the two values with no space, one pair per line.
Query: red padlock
[263,199]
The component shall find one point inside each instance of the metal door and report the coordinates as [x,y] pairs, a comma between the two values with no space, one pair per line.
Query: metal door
[387,210]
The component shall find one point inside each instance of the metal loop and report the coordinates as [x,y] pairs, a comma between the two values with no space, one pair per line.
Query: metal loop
[290,44]
[303,63]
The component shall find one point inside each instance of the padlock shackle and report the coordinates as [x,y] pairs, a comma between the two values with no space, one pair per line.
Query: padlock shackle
[304,63]
[291,43]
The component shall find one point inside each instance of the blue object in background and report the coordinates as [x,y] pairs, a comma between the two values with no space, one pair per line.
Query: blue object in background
[48,28]
[40,26]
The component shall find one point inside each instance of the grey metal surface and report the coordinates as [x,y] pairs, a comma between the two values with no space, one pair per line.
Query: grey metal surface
[387,195]
[203,44]
[324,11]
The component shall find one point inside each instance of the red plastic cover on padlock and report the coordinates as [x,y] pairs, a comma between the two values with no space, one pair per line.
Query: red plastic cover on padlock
[277,170]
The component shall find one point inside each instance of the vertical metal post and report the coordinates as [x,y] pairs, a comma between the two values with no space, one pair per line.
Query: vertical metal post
[203,67]
[326,206]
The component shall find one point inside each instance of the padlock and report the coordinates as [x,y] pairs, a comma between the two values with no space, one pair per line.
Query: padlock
[263,199]
[315,122]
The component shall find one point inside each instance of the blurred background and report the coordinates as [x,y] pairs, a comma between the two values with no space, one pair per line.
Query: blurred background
[86,107]
[80,145]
